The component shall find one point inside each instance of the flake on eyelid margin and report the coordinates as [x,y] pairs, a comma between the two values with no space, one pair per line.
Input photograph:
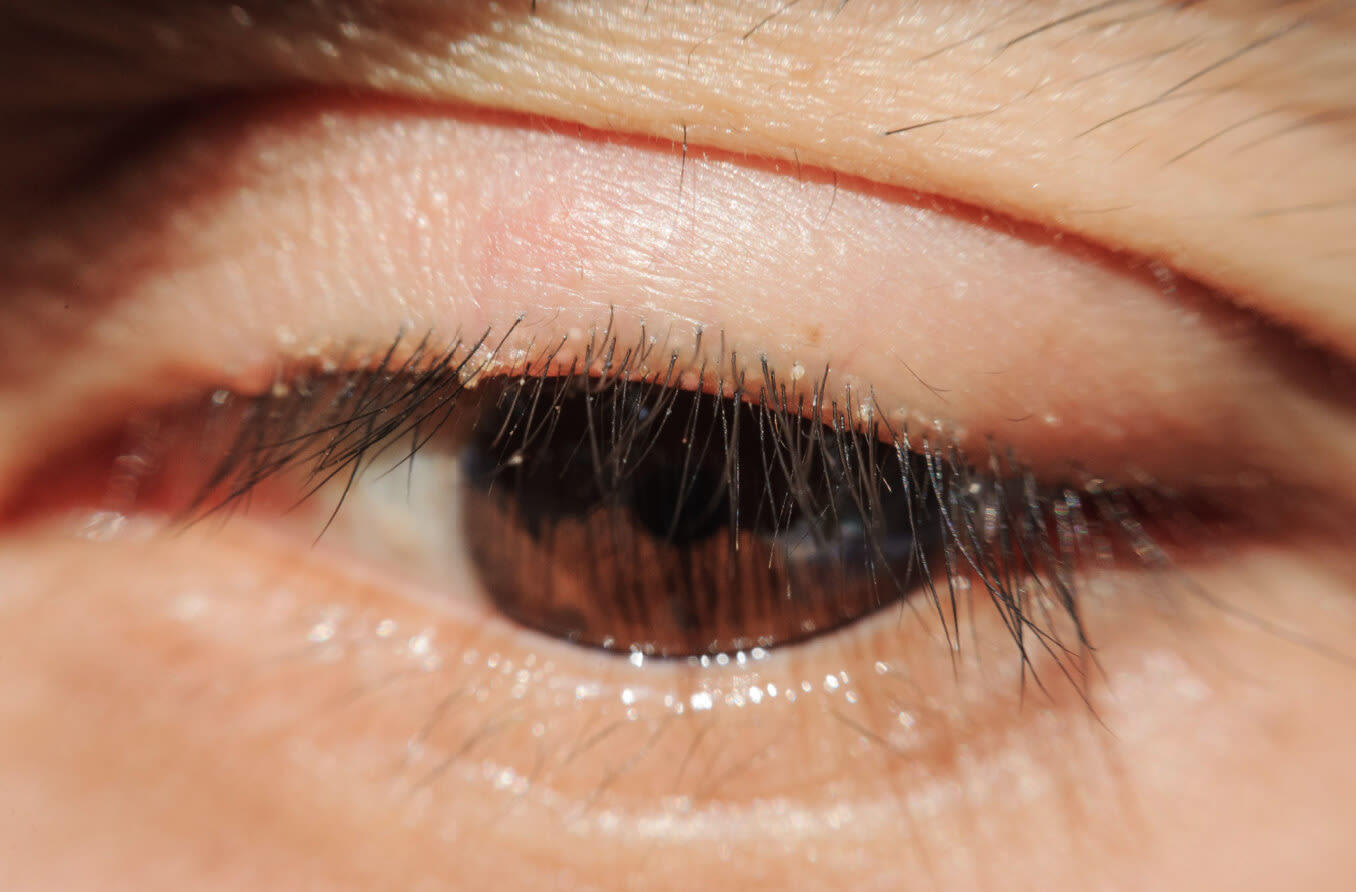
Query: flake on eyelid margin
[471,371]
[104,526]
[701,701]
[1165,277]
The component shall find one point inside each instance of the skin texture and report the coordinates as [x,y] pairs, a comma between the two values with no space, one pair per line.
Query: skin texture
[1110,236]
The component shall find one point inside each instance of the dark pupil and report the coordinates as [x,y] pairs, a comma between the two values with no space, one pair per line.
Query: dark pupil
[638,517]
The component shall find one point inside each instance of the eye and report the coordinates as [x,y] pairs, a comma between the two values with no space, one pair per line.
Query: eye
[635,517]
[694,563]
[983,485]
[630,514]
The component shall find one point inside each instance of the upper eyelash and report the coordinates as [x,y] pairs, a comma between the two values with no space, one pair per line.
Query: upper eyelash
[1022,543]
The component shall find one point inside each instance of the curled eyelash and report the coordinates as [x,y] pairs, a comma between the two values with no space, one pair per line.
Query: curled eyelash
[1003,534]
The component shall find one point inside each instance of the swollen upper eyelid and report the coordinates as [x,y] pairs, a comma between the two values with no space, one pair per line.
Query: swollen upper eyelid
[306,227]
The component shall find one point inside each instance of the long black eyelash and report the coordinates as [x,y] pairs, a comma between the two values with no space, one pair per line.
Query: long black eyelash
[1006,536]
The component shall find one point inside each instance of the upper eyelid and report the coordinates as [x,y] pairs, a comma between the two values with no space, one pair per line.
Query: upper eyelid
[1289,265]
[336,230]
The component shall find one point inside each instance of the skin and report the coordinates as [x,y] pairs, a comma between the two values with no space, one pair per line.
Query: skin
[1114,237]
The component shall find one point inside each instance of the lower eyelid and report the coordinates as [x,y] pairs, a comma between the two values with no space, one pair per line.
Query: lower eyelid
[888,686]
[335,682]
[338,674]
[327,677]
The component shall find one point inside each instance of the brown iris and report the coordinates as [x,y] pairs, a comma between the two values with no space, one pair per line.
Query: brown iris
[640,517]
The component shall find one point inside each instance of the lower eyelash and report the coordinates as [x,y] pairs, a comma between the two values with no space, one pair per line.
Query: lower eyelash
[997,531]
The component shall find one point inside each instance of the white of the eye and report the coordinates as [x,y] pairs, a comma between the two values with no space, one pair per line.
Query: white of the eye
[401,511]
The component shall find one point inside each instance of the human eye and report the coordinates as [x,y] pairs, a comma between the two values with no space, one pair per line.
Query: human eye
[1043,554]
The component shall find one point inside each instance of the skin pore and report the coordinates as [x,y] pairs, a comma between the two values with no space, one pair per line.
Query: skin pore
[1109,235]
